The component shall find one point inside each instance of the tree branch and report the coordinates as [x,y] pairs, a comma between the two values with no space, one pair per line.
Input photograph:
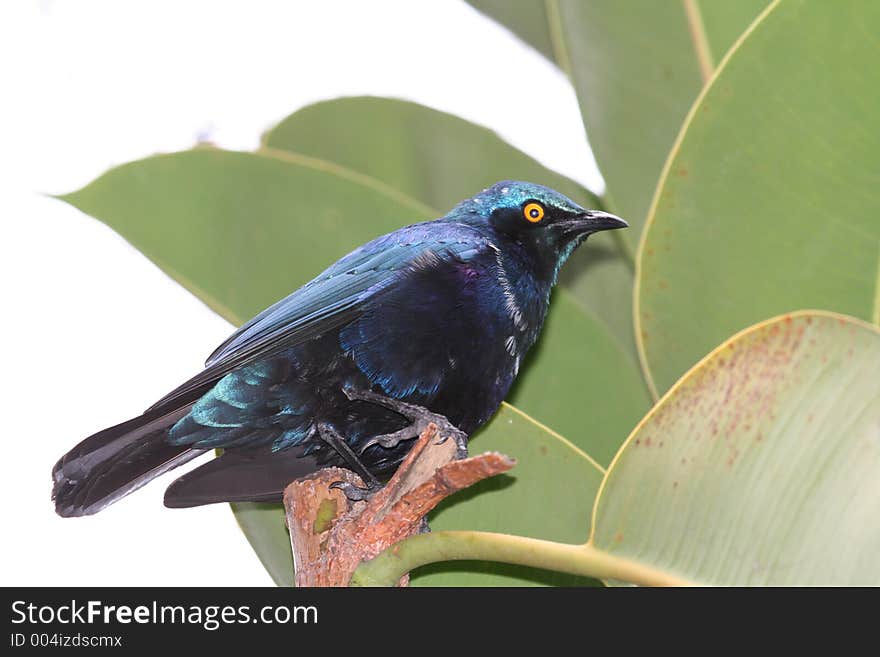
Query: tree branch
[331,535]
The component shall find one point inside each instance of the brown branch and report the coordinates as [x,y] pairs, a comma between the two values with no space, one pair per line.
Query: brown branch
[330,535]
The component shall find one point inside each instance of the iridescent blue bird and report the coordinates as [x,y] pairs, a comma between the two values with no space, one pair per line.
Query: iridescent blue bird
[432,318]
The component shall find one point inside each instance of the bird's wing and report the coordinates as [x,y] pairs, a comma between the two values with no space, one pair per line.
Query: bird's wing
[331,300]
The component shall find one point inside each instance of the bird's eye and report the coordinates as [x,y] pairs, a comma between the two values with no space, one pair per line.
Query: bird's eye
[533,212]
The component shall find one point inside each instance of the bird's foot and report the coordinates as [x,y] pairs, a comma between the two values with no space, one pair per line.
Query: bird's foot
[333,439]
[356,493]
[419,418]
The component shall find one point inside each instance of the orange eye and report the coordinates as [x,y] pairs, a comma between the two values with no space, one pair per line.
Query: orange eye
[533,212]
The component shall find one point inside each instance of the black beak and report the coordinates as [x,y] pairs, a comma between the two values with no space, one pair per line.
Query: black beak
[592,221]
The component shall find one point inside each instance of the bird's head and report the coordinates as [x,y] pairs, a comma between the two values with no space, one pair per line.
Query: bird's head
[547,224]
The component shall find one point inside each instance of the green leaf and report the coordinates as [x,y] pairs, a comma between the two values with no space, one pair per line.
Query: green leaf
[241,230]
[634,84]
[769,206]
[441,159]
[435,157]
[759,467]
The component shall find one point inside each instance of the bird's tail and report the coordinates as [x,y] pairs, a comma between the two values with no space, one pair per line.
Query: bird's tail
[116,461]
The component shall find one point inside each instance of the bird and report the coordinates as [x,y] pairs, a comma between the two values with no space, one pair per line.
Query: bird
[430,322]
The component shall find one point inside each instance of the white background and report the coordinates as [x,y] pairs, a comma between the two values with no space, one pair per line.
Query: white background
[92,332]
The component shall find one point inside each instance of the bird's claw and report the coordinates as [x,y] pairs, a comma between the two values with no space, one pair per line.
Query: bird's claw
[389,440]
[461,444]
[419,418]
[332,438]
[356,493]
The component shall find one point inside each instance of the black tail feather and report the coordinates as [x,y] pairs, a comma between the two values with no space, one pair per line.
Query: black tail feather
[116,461]
[250,475]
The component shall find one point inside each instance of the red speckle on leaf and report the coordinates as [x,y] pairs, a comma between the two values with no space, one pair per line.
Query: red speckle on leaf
[618,537]
[638,441]
[663,285]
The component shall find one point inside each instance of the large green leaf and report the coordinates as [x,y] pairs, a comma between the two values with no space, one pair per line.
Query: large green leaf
[544,496]
[441,159]
[241,230]
[435,157]
[634,84]
[769,205]
[759,467]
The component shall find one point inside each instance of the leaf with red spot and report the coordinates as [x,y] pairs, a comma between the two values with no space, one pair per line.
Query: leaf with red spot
[759,466]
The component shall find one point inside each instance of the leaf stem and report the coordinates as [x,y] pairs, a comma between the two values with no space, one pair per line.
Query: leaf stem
[699,39]
[389,566]
[557,36]
[875,317]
